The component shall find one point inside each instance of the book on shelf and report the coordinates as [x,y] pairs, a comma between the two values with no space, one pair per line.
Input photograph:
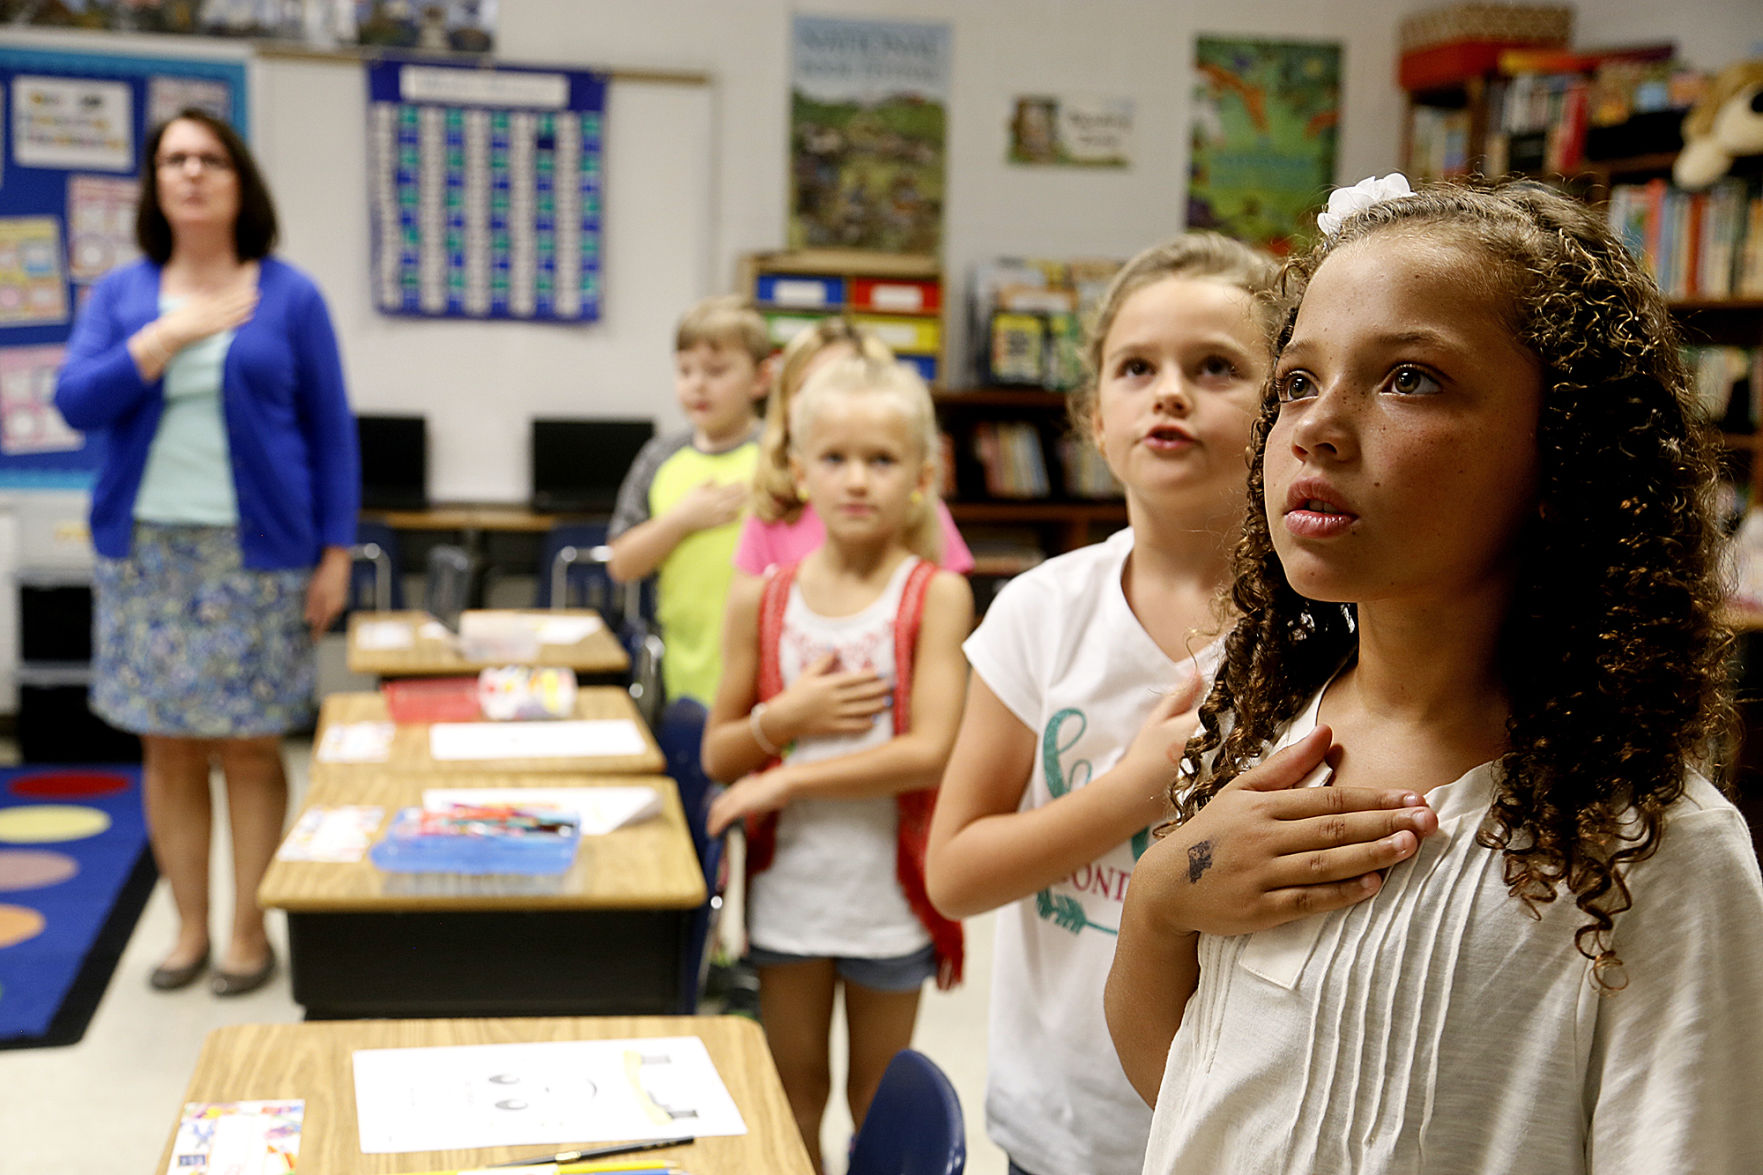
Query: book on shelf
[1028,315]
[1086,474]
[1010,454]
[1696,244]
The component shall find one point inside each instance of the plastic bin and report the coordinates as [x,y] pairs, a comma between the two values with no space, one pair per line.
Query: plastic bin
[474,842]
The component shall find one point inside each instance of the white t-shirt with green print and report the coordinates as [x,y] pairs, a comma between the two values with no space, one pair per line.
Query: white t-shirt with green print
[1063,651]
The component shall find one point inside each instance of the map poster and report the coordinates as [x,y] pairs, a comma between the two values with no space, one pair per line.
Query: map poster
[1266,114]
[868,112]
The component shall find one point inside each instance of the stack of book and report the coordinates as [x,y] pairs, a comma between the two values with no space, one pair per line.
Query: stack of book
[1010,453]
[1697,244]
[1028,319]
[479,839]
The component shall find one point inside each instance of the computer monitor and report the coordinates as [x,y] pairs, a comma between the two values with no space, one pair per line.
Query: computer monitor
[394,462]
[578,463]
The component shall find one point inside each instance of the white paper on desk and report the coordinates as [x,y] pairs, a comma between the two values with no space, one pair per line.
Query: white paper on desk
[602,809]
[339,834]
[557,1092]
[590,738]
[384,634]
[568,630]
[356,742]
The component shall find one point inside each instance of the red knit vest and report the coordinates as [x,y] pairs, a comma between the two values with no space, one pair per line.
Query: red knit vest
[915,806]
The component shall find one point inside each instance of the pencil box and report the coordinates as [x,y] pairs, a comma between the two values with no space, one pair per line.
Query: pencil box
[477,840]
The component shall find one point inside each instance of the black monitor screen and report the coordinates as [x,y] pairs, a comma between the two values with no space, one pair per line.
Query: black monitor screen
[394,462]
[578,464]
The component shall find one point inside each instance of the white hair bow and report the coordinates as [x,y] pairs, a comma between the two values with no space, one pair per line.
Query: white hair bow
[1344,202]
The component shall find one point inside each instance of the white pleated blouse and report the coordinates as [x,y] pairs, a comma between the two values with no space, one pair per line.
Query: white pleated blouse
[1438,1027]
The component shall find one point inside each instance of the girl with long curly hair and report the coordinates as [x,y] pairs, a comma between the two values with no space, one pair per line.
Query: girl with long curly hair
[1478,583]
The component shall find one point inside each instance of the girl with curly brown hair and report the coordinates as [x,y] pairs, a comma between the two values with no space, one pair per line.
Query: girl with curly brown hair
[1478,582]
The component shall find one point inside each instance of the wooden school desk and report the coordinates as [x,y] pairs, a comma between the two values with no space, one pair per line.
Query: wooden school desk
[410,744]
[268,1062]
[609,936]
[597,655]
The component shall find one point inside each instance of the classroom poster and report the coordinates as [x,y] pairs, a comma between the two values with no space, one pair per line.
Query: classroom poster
[868,111]
[63,122]
[101,225]
[485,190]
[32,288]
[1266,115]
[1073,130]
[29,422]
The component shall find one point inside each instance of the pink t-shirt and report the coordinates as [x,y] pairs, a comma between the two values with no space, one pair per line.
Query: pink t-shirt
[778,544]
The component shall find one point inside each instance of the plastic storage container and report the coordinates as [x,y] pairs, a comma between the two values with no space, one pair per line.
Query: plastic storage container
[479,841]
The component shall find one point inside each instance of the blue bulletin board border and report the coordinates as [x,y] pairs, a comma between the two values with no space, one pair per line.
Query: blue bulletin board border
[488,205]
[42,191]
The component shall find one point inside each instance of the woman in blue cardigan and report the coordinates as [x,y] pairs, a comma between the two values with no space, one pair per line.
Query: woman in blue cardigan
[222,516]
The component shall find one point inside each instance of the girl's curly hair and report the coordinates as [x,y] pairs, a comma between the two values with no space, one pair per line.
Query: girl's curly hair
[1611,654]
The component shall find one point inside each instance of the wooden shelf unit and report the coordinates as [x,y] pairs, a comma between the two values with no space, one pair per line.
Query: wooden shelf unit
[1059,521]
[900,298]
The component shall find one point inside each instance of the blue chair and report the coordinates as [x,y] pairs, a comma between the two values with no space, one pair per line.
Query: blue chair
[572,570]
[680,733]
[914,1125]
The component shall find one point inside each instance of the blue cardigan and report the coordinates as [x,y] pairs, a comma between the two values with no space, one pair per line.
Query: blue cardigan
[289,430]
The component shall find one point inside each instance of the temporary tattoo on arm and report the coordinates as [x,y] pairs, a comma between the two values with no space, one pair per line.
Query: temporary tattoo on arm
[1199,860]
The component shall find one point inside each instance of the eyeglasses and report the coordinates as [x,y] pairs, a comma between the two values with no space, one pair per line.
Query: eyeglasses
[179,160]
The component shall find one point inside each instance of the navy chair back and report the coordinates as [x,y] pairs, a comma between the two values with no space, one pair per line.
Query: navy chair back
[679,734]
[447,587]
[914,1125]
[571,576]
[374,582]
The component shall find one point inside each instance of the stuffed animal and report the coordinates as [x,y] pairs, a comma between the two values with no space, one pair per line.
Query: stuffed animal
[1726,122]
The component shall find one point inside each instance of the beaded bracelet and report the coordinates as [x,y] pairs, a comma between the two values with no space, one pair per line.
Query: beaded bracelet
[757,730]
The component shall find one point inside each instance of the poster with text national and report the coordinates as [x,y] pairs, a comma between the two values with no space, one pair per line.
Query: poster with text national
[486,189]
[1266,115]
[868,110]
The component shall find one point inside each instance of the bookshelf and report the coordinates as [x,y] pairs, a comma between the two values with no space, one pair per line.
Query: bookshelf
[1000,513]
[1009,466]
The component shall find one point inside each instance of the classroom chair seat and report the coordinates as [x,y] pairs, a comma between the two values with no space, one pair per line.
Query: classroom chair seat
[914,1125]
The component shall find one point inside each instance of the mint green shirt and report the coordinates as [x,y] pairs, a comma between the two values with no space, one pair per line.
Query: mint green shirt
[189,474]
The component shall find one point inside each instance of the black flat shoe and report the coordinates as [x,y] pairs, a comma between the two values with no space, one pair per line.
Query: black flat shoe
[229,983]
[172,978]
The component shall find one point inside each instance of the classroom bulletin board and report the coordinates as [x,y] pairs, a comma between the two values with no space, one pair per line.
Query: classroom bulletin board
[72,129]
[486,191]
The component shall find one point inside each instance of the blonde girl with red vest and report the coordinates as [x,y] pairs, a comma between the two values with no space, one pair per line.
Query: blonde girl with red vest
[836,824]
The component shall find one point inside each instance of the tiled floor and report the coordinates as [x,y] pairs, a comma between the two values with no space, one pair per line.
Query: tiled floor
[108,1104]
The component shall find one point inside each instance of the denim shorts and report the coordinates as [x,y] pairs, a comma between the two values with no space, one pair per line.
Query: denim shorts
[892,973]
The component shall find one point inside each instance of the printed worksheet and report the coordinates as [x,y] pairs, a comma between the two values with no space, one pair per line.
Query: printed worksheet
[558,1092]
[603,737]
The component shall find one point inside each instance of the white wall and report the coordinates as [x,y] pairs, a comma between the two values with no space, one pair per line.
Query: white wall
[480,382]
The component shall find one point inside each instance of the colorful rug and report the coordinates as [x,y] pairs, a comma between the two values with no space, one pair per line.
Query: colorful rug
[75,873]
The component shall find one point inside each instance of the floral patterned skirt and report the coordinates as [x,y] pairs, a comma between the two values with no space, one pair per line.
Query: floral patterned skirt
[189,643]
